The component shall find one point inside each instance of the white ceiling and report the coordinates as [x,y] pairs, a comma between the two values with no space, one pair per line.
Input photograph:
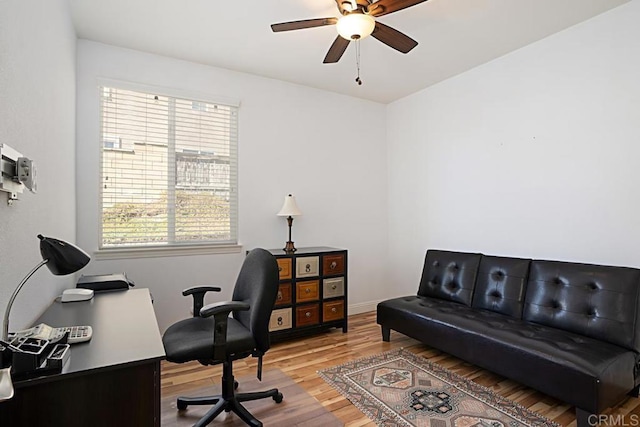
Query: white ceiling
[453,36]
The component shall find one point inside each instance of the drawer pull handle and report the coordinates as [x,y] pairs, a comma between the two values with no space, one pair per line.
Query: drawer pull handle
[279,268]
[334,287]
[307,290]
[308,314]
[279,321]
[279,296]
[333,265]
[334,310]
[307,268]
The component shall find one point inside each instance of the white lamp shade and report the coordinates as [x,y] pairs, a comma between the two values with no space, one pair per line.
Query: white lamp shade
[355,26]
[289,208]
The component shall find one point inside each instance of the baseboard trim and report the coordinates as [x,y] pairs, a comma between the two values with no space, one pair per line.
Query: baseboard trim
[362,307]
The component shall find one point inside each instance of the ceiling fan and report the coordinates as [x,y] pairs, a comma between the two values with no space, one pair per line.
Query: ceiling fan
[357,22]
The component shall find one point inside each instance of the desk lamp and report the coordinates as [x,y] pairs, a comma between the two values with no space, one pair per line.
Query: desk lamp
[60,257]
[289,209]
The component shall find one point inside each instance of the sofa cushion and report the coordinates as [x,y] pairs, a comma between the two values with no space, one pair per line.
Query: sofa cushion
[581,371]
[449,275]
[501,285]
[592,300]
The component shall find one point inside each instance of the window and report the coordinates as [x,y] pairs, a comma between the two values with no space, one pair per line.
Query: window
[168,170]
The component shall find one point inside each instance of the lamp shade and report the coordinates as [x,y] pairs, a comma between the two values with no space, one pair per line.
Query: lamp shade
[356,26]
[62,257]
[289,208]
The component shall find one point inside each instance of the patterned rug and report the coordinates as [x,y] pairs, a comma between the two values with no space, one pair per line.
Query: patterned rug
[398,388]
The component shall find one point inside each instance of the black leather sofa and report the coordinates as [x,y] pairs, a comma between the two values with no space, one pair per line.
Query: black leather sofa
[569,330]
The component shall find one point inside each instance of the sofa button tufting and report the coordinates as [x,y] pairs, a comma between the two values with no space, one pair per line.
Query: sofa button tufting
[593,286]
[591,312]
[555,304]
[496,294]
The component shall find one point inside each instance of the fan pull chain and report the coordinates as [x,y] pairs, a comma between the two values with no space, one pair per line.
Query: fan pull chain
[358,62]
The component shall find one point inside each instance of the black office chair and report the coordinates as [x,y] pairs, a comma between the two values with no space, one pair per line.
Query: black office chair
[212,337]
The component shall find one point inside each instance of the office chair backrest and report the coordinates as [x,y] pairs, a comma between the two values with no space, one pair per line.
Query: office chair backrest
[257,284]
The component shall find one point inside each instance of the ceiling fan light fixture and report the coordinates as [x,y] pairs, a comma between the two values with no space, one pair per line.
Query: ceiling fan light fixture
[355,26]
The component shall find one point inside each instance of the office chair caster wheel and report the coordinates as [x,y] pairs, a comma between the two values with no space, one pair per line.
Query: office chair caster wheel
[278,398]
[182,405]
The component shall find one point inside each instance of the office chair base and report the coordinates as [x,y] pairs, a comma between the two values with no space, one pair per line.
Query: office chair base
[229,405]
[229,401]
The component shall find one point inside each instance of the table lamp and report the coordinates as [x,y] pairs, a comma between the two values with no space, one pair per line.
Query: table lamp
[289,209]
[60,257]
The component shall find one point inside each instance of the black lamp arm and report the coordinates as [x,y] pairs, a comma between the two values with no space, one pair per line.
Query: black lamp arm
[5,330]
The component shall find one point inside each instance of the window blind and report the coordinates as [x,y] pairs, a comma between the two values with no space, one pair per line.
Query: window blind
[168,170]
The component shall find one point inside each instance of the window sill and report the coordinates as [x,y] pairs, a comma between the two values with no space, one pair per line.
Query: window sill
[164,251]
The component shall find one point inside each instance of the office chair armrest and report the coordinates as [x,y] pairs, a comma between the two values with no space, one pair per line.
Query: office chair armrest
[217,309]
[198,296]
[220,312]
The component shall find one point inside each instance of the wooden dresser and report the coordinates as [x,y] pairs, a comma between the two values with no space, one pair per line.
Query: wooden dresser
[313,292]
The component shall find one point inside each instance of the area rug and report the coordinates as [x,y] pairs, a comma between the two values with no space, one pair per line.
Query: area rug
[399,388]
[298,408]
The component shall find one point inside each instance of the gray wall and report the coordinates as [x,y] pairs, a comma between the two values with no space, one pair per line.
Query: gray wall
[37,118]
[328,150]
[534,154]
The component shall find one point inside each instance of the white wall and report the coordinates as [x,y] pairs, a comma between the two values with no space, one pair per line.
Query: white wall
[328,150]
[535,154]
[37,118]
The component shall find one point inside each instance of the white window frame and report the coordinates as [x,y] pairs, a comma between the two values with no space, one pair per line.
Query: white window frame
[169,248]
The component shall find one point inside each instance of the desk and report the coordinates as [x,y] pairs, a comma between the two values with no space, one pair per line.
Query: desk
[111,380]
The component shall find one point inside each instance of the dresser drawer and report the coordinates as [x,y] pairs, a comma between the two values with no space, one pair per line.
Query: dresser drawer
[332,310]
[332,288]
[284,294]
[309,290]
[333,264]
[280,319]
[308,315]
[308,266]
[284,267]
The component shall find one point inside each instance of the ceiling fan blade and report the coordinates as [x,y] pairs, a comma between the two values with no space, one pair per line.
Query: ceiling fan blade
[393,38]
[385,7]
[299,25]
[336,50]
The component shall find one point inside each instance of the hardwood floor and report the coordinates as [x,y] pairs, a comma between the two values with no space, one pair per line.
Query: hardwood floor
[301,358]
